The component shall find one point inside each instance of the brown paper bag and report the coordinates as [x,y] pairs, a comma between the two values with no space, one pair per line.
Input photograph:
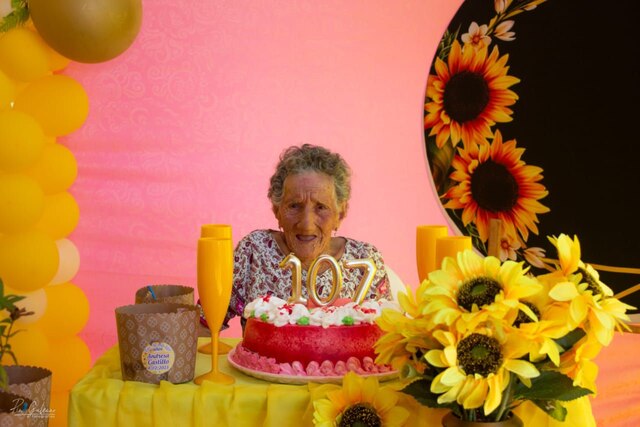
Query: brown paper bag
[178,294]
[14,410]
[32,382]
[158,342]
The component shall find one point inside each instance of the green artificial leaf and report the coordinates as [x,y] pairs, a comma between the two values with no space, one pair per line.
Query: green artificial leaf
[553,408]
[421,391]
[14,298]
[550,385]
[18,16]
[570,339]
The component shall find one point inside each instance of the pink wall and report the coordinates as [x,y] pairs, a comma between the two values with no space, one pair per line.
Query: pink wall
[185,128]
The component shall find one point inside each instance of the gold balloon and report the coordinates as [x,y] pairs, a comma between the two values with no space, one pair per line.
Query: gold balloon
[89,31]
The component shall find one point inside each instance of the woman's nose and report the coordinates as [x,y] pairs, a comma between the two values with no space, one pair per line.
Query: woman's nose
[308,219]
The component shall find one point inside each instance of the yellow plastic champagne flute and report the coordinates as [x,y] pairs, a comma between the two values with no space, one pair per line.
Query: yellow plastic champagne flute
[218,231]
[215,278]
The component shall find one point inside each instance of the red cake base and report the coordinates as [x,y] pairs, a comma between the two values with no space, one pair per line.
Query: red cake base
[290,343]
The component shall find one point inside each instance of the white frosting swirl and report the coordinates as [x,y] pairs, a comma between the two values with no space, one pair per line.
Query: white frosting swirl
[277,311]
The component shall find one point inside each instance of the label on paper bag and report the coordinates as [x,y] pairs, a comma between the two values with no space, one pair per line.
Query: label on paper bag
[158,357]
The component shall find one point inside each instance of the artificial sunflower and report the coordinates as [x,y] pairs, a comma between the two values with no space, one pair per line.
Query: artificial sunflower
[468,95]
[477,367]
[578,363]
[360,402]
[407,333]
[472,289]
[541,332]
[590,302]
[494,183]
[404,341]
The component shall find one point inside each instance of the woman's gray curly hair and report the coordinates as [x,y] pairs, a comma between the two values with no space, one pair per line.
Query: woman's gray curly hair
[311,158]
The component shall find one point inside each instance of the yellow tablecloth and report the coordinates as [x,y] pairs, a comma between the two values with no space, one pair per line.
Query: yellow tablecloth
[101,398]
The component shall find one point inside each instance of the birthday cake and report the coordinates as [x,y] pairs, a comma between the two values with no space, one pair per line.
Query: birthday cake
[293,340]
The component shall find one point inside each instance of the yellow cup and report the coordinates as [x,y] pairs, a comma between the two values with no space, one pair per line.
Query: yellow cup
[449,246]
[426,236]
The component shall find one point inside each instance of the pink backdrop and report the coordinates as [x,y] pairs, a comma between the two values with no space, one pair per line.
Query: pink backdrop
[185,128]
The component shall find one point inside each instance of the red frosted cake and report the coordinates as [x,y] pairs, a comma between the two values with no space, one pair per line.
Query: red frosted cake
[289,339]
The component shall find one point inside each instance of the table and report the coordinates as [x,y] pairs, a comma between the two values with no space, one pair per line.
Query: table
[101,398]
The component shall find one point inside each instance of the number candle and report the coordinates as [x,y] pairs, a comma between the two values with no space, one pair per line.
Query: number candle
[293,263]
[313,275]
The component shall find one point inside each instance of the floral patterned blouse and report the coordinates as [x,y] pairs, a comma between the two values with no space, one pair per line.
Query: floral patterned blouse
[257,272]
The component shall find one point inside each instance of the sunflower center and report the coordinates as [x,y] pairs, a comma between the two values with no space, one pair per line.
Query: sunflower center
[493,187]
[523,317]
[360,415]
[592,283]
[479,354]
[465,96]
[480,291]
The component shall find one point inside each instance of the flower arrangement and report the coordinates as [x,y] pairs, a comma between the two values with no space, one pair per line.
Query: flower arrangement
[481,336]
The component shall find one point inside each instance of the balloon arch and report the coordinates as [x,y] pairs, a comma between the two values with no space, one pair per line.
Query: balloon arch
[39,105]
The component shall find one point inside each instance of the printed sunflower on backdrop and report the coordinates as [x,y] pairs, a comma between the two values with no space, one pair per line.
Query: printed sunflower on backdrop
[482,336]
[478,174]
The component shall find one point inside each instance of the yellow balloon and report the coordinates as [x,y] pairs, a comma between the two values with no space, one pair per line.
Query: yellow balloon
[28,260]
[67,311]
[69,360]
[98,31]
[7,90]
[60,215]
[21,202]
[60,405]
[69,262]
[30,346]
[23,55]
[56,169]
[21,140]
[34,302]
[58,102]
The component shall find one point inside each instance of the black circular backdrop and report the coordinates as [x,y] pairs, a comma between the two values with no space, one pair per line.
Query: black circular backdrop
[576,119]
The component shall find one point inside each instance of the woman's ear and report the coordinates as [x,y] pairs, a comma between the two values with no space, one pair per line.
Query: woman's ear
[342,211]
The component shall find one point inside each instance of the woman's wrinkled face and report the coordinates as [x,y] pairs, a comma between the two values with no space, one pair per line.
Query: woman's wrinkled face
[308,214]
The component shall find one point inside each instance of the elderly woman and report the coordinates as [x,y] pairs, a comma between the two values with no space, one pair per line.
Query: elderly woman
[309,194]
